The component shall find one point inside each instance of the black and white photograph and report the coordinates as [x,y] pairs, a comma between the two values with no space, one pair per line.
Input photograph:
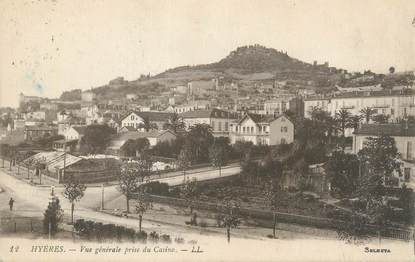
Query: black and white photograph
[192,130]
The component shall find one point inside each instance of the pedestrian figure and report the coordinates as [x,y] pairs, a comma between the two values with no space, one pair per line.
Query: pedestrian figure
[11,201]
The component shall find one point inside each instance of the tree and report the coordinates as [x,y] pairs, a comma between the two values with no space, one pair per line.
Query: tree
[96,139]
[143,204]
[147,125]
[249,169]
[74,191]
[230,218]
[52,217]
[142,146]
[380,159]
[343,173]
[4,152]
[243,149]
[354,121]
[391,70]
[135,147]
[380,156]
[218,156]
[271,197]
[380,119]
[130,176]
[129,148]
[200,138]
[190,192]
[184,159]
[269,169]
[174,123]
[367,113]
[343,119]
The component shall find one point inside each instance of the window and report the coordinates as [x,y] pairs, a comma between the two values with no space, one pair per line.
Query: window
[284,129]
[392,111]
[132,117]
[283,141]
[226,126]
[252,129]
[220,126]
[213,125]
[409,150]
[243,129]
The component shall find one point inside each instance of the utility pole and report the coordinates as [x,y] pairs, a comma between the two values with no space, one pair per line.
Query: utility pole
[102,197]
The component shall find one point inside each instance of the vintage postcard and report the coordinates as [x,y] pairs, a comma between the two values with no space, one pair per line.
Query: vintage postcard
[222,130]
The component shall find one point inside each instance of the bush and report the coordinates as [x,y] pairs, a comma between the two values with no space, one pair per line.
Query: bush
[108,231]
[141,236]
[165,238]
[120,231]
[219,218]
[179,240]
[130,234]
[156,188]
[154,237]
[98,230]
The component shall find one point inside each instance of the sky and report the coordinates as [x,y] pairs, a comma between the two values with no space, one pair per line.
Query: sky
[48,46]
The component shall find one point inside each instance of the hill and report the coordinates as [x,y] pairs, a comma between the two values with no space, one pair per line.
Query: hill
[247,65]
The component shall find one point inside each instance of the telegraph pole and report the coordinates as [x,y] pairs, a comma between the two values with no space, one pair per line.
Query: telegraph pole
[102,197]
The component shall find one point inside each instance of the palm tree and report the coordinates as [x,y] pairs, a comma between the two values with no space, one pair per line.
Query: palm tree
[343,119]
[147,124]
[174,123]
[367,113]
[354,121]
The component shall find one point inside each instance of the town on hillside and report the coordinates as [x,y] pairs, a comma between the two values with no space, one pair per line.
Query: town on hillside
[256,145]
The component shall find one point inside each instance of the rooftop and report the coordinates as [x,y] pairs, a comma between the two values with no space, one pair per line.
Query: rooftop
[80,129]
[383,93]
[395,129]
[208,113]
[152,115]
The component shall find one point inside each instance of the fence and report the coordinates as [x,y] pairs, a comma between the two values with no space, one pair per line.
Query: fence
[21,225]
[260,214]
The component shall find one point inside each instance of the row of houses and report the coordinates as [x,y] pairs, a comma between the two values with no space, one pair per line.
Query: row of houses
[258,129]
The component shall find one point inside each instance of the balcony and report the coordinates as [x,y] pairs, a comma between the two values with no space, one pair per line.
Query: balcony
[249,134]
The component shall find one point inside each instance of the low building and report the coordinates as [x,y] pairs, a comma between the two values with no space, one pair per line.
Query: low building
[277,106]
[60,166]
[37,132]
[136,119]
[397,104]
[65,145]
[221,121]
[263,130]
[75,133]
[404,136]
[38,115]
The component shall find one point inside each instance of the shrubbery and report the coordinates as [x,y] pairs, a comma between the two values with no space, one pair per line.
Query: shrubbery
[156,188]
[107,232]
